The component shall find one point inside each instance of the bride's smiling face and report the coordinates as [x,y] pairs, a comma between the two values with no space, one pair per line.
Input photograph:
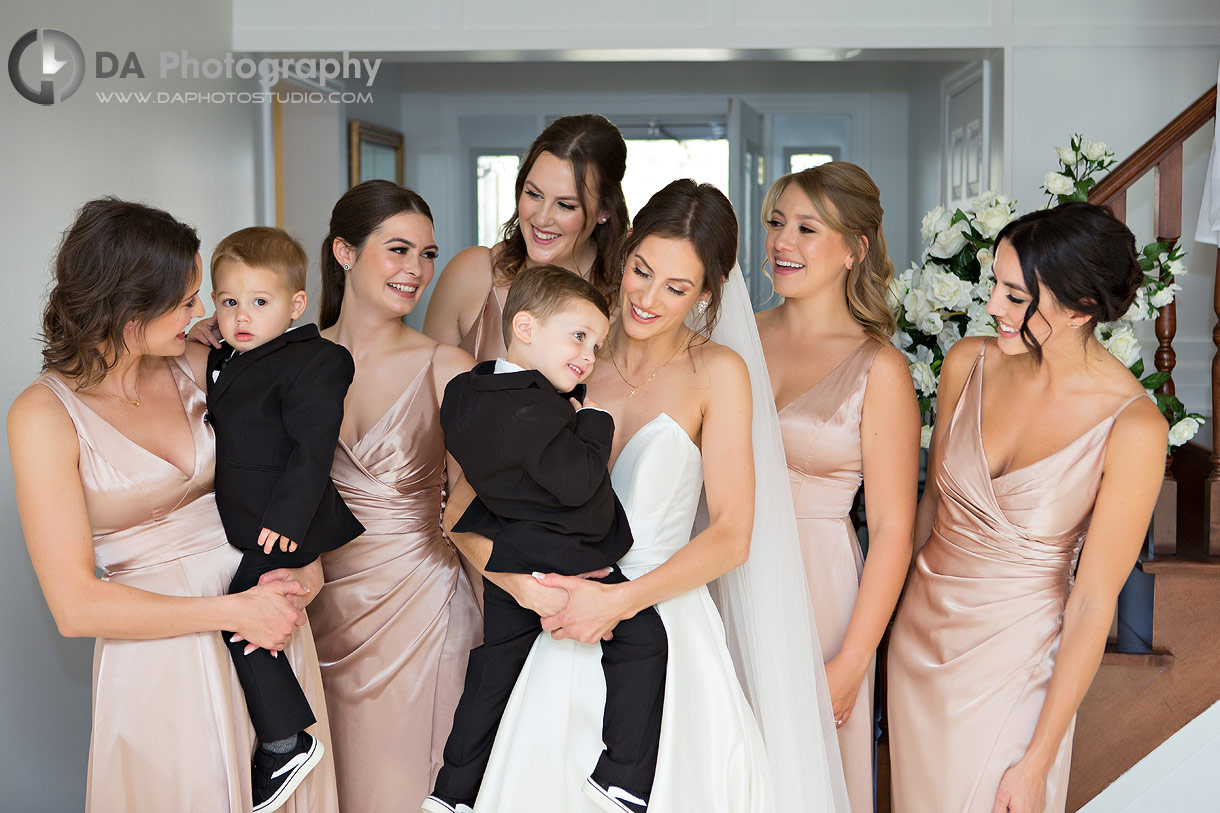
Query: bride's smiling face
[662,280]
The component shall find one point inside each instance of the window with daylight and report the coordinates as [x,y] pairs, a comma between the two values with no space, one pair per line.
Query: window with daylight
[495,178]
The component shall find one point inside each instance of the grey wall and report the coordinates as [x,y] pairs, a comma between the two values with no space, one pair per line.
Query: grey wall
[198,162]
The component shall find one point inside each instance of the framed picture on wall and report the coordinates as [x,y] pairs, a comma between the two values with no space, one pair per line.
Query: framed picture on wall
[374,153]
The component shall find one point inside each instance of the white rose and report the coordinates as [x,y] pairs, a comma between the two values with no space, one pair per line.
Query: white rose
[986,259]
[925,381]
[901,339]
[1177,268]
[1123,345]
[1067,156]
[1004,200]
[980,323]
[949,241]
[1183,431]
[1095,150]
[983,288]
[1058,184]
[934,222]
[930,324]
[1164,296]
[991,220]
[1138,312]
[916,306]
[944,289]
[925,436]
[900,285]
[948,337]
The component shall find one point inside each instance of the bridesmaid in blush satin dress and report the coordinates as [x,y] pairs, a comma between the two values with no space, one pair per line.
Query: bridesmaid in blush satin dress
[562,218]
[1047,454]
[397,617]
[848,413]
[114,468]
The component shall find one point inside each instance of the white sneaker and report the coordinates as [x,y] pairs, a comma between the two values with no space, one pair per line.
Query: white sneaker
[613,799]
[435,804]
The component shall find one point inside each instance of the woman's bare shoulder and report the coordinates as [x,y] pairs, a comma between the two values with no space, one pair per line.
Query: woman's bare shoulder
[38,410]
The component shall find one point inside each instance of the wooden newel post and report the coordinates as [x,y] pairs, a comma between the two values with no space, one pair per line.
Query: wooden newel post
[1167,208]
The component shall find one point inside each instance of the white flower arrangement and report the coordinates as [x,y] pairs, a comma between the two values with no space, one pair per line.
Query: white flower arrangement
[944,297]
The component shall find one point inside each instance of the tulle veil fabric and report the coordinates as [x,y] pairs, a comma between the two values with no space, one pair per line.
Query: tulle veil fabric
[765,604]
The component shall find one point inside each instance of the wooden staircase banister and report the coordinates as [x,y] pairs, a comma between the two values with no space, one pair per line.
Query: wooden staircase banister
[1123,176]
[1162,154]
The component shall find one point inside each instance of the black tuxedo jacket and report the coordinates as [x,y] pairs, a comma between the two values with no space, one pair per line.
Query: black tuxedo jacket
[276,410]
[539,469]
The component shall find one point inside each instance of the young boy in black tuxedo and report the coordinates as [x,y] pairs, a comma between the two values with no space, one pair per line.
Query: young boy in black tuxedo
[275,401]
[537,460]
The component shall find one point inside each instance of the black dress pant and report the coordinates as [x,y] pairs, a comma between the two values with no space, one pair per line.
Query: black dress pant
[633,661]
[277,705]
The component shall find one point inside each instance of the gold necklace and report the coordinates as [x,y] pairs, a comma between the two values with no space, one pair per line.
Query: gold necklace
[124,397]
[635,387]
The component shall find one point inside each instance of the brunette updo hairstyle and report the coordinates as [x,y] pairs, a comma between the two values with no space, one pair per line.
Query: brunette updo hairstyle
[598,155]
[118,263]
[356,215]
[1085,257]
[701,215]
[849,202]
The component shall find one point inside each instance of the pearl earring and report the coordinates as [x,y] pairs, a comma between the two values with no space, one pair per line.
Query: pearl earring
[347,267]
[602,219]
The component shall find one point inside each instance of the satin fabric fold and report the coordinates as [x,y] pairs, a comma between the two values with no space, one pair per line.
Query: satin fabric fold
[821,431]
[170,726]
[485,339]
[975,639]
[397,619]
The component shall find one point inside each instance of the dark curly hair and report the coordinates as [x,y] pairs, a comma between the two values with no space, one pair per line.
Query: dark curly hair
[598,155]
[119,262]
[1085,257]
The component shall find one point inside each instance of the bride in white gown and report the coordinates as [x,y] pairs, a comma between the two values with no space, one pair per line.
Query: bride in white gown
[683,412]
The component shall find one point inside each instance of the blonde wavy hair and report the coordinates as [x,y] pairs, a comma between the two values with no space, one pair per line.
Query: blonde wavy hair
[848,202]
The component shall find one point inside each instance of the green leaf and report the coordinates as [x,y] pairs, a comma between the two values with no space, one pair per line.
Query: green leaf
[1151,382]
[1137,369]
[1080,195]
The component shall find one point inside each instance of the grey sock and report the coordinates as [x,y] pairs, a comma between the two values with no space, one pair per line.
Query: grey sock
[280,746]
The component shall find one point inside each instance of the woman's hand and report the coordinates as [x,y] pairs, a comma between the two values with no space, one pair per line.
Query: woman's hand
[1022,790]
[206,331]
[844,680]
[268,617]
[592,611]
[310,577]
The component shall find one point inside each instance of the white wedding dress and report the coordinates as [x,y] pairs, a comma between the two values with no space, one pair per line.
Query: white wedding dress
[712,757]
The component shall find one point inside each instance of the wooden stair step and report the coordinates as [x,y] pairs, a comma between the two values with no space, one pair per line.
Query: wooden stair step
[1157,659]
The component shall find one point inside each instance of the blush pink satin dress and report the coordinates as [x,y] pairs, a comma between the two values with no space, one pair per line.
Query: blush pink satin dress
[975,640]
[170,726]
[396,620]
[821,430]
[485,339]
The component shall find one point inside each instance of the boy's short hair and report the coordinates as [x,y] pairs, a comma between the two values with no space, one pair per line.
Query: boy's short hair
[543,291]
[264,247]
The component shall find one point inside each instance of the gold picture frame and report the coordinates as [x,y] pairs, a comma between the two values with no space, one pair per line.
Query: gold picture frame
[374,152]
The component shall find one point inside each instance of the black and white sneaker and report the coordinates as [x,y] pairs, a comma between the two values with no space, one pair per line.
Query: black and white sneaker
[275,776]
[442,804]
[612,798]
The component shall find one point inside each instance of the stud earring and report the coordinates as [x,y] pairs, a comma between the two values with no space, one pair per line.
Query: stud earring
[347,267]
[602,219]
[1073,327]
[702,306]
